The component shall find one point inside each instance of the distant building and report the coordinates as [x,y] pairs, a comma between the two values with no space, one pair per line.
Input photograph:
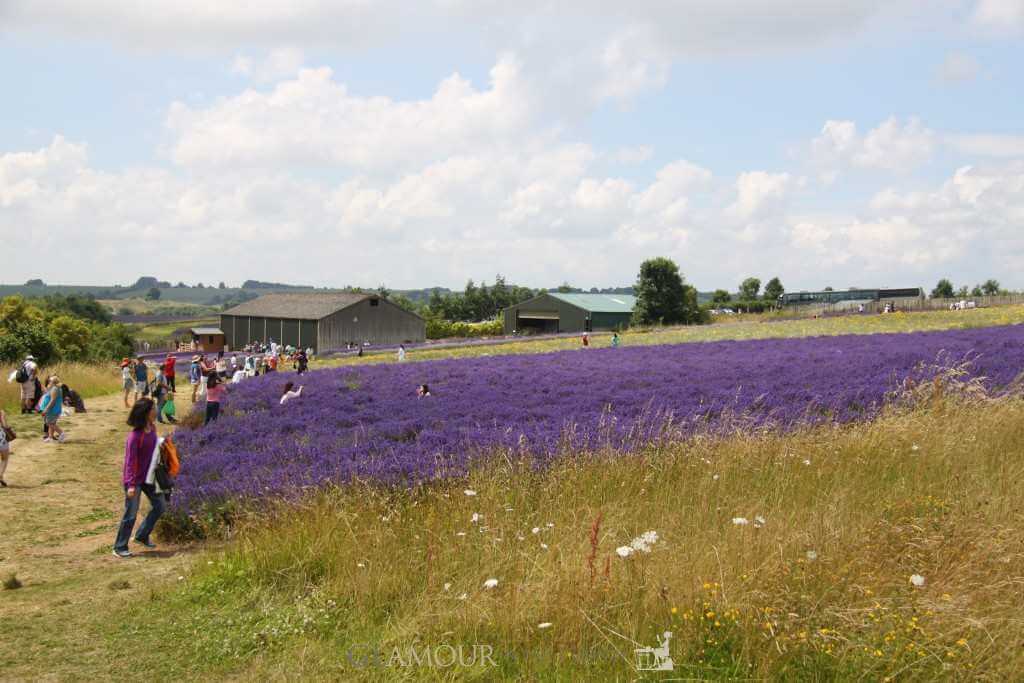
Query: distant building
[849,295]
[555,312]
[323,321]
[207,339]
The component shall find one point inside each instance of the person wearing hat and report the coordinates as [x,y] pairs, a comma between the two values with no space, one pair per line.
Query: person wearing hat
[127,379]
[168,370]
[195,375]
[28,382]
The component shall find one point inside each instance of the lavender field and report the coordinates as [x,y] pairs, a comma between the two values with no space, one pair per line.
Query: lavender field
[367,422]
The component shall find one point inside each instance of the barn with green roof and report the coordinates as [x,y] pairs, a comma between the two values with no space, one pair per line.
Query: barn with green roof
[555,312]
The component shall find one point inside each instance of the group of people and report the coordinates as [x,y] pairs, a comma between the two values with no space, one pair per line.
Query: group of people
[161,387]
[50,399]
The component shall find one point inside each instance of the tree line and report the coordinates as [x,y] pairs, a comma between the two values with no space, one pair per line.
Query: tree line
[944,289]
[69,328]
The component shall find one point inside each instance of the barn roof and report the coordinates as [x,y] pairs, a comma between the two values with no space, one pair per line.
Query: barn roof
[599,303]
[206,330]
[297,305]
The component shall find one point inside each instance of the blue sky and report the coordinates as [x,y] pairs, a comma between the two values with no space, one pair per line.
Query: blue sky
[823,142]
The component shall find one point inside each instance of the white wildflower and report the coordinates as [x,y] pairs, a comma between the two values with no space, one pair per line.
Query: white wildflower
[361,565]
[463,596]
[644,541]
[543,546]
[915,448]
[447,586]
[807,462]
[460,533]
[490,583]
[535,530]
[812,555]
[181,578]
[917,580]
[740,521]
[546,624]
[714,477]
[759,522]
[550,525]
[624,551]
[470,492]
[475,518]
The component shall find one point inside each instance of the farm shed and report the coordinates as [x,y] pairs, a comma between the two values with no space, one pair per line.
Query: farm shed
[207,339]
[323,321]
[557,312]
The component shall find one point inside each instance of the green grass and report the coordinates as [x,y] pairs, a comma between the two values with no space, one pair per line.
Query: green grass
[931,492]
[161,332]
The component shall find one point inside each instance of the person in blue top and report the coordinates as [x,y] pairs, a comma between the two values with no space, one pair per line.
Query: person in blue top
[52,406]
[141,379]
[615,340]
[195,375]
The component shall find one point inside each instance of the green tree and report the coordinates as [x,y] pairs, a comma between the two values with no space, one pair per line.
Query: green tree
[721,296]
[71,337]
[962,292]
[977,291]
[828,289]
[749,288]
[153,294]
[991,287]
[564,288]
[662,295]
[943,289]
[773,290]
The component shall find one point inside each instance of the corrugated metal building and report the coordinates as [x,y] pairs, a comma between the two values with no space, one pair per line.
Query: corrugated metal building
[322,320]
[556,312]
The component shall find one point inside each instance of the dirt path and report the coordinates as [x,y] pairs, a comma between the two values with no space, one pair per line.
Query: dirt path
[58,518]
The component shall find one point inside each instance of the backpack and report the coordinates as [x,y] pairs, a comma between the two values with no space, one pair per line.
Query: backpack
[21,376]
[168,467]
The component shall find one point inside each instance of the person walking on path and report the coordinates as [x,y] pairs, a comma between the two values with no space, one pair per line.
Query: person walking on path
[215,391]
[127,379]
[401,352]
[303,362]
[141,379]
[140,450]
[168,411]
[168,370]
[27,378]
[5,447]
[615,340]
[52,407]
[159,390]
[195,376]
[586,340]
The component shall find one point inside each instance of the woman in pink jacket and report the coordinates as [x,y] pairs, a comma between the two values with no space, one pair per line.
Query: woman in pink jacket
[139,451]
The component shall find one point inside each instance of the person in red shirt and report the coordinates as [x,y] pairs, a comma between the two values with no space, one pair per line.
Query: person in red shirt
[168,370]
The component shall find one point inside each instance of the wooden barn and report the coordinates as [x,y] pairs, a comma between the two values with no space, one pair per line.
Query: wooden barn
[207,339]
[324,321]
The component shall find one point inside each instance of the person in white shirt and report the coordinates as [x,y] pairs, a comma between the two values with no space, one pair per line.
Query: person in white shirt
[401,352]
[28,387]
[238,376]
[288,394]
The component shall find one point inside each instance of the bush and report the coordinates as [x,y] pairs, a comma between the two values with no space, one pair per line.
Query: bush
[438,328]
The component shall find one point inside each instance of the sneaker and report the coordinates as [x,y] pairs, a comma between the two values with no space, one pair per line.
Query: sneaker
[147,543]
[47,439]
[123,554]
[63,436]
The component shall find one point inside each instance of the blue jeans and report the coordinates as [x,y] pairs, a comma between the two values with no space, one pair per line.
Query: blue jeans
[212,411]
[131,512]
